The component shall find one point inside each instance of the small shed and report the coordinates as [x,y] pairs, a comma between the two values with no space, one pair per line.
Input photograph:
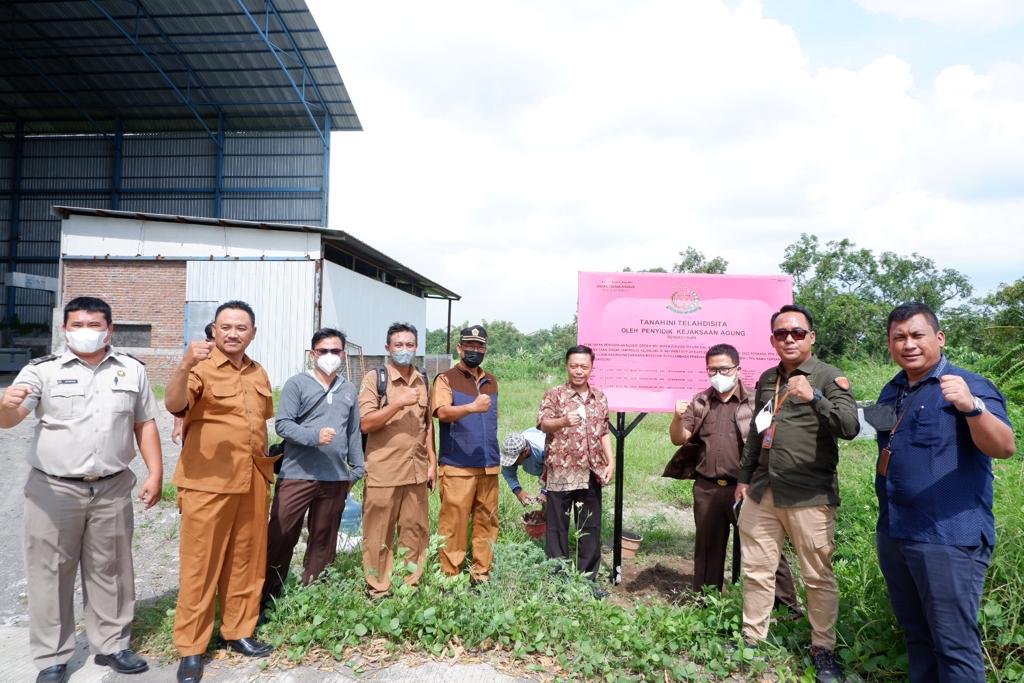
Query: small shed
[165,275]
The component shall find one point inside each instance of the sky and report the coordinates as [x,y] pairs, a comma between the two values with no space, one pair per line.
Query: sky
[507,146]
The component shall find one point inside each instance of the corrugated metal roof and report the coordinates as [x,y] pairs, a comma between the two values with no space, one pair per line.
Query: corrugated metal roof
[337,239]
[77,66]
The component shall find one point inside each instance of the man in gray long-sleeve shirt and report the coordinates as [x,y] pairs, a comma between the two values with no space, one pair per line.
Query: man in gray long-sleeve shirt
[318,418]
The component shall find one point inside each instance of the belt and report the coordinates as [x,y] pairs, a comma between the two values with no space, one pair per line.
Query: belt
[87,479]
[723,481]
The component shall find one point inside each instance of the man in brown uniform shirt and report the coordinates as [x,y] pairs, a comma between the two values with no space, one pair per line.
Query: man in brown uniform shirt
[223,479]
[400,462]
[720,415]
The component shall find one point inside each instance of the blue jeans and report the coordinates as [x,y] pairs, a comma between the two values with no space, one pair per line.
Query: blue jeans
[935,591]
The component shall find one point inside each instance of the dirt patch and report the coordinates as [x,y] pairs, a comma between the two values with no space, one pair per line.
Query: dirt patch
[663,577]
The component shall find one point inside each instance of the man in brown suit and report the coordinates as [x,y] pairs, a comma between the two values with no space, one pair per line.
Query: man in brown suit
[223,479]
[720,415]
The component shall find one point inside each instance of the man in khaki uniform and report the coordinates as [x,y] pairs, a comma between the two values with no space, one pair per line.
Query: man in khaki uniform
[400,462]
[223,479]
[465,401]
[90,401]
[788,478]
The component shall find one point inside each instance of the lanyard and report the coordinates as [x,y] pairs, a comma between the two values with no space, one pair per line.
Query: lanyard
[899,420]
[778,405]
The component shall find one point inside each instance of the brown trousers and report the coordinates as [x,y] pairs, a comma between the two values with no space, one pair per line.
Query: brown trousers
[712,515]
[222,555]
[293,498]
[70,524]
[463,497]
[387,509]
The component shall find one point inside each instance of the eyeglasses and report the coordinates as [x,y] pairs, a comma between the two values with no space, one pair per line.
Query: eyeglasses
[322,352]
[728,370]
[798,334]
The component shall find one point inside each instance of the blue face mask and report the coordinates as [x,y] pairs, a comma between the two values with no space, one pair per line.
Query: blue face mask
[402,358]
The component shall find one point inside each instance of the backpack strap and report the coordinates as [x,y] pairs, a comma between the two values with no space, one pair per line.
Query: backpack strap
[381,386]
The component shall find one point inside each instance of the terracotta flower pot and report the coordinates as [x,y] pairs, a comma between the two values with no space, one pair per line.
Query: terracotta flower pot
[630,543]
[536,523]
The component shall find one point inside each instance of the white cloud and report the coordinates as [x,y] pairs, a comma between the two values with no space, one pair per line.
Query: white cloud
[959,14]
[507,147]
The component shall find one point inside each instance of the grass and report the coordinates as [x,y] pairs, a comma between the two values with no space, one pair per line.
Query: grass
[543,621]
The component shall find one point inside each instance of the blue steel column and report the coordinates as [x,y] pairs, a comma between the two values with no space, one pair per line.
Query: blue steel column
[115,188]
[218,190]
[325,181]
[14,227]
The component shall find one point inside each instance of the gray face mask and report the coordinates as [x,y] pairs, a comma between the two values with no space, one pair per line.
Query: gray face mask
[403,358]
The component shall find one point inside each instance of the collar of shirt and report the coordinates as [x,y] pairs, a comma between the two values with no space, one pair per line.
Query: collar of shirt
[740,394]
[337,384]
[570,392]
[219,358]
[69,356]
[805,368]
[395,375]
[934,374]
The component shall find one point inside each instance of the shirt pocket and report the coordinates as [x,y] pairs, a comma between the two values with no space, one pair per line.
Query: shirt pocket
[267,394]
[926,430]
[124,397]
[66,401]
[223,397]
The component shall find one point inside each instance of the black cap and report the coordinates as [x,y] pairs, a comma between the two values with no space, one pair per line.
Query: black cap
[475,333]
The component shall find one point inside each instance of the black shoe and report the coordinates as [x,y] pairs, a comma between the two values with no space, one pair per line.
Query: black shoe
[123,662]
[54,674]
[599,593]
[190,669]
[250,647]
[826,665]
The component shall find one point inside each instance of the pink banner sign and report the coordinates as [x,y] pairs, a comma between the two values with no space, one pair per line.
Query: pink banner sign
[650,331]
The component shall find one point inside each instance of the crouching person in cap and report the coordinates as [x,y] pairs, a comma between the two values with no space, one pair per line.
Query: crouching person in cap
[91,403]
[465,402]
[526,449]
[579,462]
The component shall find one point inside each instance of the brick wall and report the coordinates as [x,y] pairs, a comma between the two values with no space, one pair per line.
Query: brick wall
[150,292]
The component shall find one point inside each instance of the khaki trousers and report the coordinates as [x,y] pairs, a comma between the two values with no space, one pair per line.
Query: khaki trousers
[385,510]
[463,497]
[222,556]
[68,524]
[763,528]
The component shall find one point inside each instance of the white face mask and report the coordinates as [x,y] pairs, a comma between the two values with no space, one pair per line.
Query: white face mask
[84,340]
[328,363]
[723,383]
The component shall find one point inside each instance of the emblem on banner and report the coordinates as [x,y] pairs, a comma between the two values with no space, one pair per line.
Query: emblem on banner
[684,301]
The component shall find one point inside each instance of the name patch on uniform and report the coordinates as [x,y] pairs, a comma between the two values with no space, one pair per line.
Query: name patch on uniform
[67,381]
[843,383]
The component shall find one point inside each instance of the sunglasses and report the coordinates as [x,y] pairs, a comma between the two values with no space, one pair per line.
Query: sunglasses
[321,352]
[798,334]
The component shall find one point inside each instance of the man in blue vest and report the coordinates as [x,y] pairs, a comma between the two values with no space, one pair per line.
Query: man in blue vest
[465,400]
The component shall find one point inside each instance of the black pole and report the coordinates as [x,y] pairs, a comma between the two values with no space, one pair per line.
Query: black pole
[448,332]
[735,553]
[620,431]
[620,459]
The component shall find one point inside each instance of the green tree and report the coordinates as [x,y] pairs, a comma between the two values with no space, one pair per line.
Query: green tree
[692,261]
[850,291]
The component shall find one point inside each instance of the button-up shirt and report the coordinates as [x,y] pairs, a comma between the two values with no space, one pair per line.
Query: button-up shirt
[225,429]
[396,454]
[939,485]
[572,453]
[87,415]
[800,467]
[720,429]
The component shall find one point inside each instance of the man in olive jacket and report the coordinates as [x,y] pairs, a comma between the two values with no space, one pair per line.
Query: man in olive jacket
[789,482]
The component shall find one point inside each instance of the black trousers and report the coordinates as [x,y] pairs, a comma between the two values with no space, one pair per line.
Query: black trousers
[713,518]
[585,506]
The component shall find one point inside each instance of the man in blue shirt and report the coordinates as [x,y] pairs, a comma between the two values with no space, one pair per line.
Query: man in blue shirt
[938,426]
[526,449]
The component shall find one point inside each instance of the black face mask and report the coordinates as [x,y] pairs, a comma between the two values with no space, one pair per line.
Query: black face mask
[881,416]
[472,359]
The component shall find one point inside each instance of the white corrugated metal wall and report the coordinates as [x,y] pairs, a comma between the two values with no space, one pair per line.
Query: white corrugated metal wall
[282,296]
[364,308]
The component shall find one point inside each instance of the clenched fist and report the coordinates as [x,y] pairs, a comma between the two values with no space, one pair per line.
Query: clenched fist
[197,351]
[326,435]
[955,390]
[681,407]
[15,395]
[481,404]
[405,396]
[800,388]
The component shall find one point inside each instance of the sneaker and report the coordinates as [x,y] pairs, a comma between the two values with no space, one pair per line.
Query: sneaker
[826,665]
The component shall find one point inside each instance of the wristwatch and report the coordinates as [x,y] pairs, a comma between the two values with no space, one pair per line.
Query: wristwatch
[979,408]
[817,396]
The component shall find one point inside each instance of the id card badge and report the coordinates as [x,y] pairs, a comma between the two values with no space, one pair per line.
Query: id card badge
[768,438]
[763,418]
